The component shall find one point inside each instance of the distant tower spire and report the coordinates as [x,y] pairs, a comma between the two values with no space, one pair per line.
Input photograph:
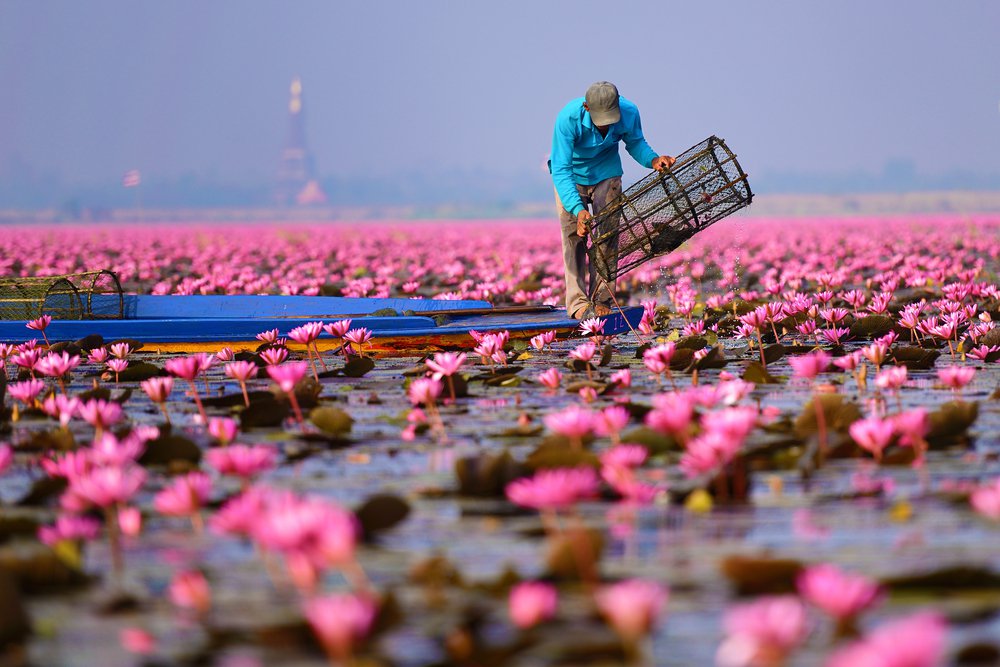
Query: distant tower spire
[296,171]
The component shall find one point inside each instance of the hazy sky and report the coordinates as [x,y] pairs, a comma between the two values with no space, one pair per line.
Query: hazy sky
[92,88]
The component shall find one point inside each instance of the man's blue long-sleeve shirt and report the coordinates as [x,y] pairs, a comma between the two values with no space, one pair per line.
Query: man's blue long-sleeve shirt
[581,155]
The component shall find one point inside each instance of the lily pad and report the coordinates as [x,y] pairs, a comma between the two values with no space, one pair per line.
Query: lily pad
[838,414]
[42,491]
[914,358]
[573,551]
[606,354]
[90,342]
[682,359]
[774,352]
[17,524]
[487,475]
[965,577]
[138,371]
[37,569]
[358,366]
[691,343]
[233,400]
[655,442]
[168,448]
[757,374]
[872,326]
[951,420]
[505,380]
[265,412]
[15,624]
[761,575]
[380,513]
[716,358]
[332,421]
[559,456]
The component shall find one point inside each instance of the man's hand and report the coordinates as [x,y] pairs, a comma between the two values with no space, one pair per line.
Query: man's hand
[582,220]
[663,162]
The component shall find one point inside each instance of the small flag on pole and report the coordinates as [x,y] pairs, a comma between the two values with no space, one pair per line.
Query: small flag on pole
[132,178]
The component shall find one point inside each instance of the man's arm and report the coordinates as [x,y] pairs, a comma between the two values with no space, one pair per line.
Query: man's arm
[562,168]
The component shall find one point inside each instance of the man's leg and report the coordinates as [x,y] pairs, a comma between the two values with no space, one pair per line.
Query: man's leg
[604,192]
[574,258]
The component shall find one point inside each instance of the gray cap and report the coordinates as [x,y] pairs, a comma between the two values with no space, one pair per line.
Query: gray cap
[602,100]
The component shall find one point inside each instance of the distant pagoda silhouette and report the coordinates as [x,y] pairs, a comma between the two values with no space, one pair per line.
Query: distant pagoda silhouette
[297,183]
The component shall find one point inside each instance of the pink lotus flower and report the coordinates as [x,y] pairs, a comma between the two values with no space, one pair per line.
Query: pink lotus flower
[108,450]
[873,434]
[274,356]
[108,486]
[875,353]
[445,364]
[186,368]
[137,640]
[270,337]
[553,489]
[185,496]
[158,388]
[985,500]
[6,457]
[538,342]
[241,371]
[912,426]
[98,355]
[130,521]
[69,528]
[120,350]
[840,594]
[26,391]
[573,422]
[225,354]
[424,391]
[239,515]
[338,329]
[671,414]
[918,640]
[100,413]
[956,377]
[531,603]
[810,365]
[550,378]
[288,375]
[624,456]
[62,408]
[592,327]
[306,333]
[358,337]
[190,590]
[245,461]
[761,633]
[611,421]
[584,352]
[57,364]
[223,429]
[892,378]
[40,323]
[622,378]
[340,621]
[117,366]
[848,362]
[631,607]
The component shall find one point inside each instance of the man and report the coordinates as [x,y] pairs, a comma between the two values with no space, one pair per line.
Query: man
[586,170]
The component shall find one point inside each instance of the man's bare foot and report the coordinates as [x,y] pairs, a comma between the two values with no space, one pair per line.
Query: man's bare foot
[601,310]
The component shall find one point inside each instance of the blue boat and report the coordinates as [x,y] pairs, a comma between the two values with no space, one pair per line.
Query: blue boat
[206,323]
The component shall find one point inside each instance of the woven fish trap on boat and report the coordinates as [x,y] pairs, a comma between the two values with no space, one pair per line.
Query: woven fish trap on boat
[73,296]
[663,210]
